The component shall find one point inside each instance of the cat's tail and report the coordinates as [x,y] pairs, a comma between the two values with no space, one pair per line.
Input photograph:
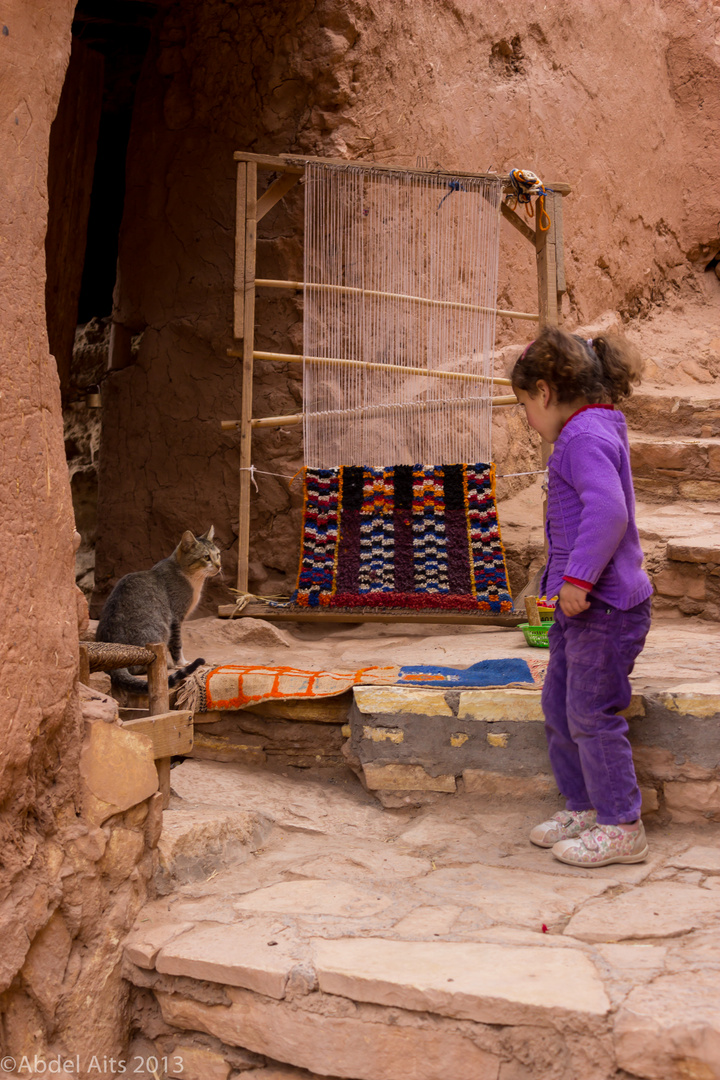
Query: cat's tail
[182,673]
[122,678]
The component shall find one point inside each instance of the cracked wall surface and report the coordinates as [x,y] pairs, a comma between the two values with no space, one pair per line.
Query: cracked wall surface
[614,104]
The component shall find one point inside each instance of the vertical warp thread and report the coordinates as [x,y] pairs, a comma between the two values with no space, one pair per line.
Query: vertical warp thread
[406,236]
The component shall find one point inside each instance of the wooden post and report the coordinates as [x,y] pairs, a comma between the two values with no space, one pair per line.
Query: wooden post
[239,280]
[546,267]
[531,609]
[248,336]
[545,252]
[559,248]
[159,702]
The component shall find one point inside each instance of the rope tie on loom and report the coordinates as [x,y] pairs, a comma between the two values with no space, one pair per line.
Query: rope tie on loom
[261,472]
[286,476]
[526,186]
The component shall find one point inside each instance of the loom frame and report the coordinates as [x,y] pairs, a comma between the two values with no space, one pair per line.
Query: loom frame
[250,209]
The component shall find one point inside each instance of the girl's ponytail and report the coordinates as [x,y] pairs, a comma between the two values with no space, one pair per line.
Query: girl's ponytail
[621,365]
[601,369]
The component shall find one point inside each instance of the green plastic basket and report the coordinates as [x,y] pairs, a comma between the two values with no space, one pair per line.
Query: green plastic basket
[536,635]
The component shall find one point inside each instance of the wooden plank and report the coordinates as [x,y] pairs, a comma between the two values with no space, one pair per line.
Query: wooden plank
[268,162]
[239,280]
[298,162]
[294,159]
[159,702]
[261,611]
[277,191]
[517,222]
[84,668]
[559,245]
[247,377]
[171,732]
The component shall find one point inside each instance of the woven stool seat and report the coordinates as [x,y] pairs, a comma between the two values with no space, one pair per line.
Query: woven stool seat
[106,655]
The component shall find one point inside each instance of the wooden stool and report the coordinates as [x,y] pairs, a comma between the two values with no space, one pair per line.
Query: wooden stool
[171,732]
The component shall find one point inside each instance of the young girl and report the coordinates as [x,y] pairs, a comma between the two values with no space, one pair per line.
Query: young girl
[568,387]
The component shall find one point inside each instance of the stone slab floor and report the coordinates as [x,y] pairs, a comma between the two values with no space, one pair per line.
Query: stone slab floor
[304,931]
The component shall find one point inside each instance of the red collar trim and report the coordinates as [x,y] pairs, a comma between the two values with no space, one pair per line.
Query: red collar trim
[583,408]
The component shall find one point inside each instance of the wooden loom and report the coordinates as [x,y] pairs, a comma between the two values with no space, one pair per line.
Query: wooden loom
[251,208]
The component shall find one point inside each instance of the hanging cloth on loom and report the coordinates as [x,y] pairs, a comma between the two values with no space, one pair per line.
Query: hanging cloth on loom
[412,537]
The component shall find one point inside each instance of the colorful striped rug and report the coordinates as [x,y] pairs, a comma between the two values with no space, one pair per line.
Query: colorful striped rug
[236,686]
[405,536]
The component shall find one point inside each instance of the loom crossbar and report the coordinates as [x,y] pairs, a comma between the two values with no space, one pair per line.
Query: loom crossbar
[272,283]
[293,419]
[441,373]
[295,163]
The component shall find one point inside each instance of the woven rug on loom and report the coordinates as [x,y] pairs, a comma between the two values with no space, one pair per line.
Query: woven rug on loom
[404,536]
[235,686]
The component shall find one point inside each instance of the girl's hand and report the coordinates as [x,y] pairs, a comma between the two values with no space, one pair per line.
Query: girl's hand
[572,599]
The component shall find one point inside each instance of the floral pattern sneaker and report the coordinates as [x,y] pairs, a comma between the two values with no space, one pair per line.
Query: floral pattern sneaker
[562,826]
[602,845]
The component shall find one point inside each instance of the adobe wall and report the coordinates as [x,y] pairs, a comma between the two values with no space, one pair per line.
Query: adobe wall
[589,93]
[74,868]
[39,712]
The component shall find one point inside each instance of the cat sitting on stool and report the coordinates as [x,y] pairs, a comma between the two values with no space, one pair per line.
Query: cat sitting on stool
[149,606]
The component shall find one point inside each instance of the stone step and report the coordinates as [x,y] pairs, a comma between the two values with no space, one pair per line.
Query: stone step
[681,467]
[679,539]
[195,842]
[682,556]
[492,742]
[433,944]
[689,581]
[702,550]
[681,411]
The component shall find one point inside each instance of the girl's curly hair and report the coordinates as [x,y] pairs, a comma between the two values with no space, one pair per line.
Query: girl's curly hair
[601,370]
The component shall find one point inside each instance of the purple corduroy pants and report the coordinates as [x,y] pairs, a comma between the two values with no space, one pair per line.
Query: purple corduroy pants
[586,687]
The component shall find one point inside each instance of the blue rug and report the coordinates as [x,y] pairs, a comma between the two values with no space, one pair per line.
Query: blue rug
[484,673]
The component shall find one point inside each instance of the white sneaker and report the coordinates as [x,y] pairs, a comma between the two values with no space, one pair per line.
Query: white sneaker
[565,825]
[603,845]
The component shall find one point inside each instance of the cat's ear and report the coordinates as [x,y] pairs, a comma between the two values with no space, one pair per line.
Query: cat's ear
[187,541]
[208,535]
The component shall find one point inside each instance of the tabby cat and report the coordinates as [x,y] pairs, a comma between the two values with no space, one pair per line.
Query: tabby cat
[150,605]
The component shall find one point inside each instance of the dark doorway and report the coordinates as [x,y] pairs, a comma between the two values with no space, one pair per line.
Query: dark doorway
[86,174]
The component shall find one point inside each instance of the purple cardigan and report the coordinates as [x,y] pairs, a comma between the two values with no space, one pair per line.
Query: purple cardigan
[590,525]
